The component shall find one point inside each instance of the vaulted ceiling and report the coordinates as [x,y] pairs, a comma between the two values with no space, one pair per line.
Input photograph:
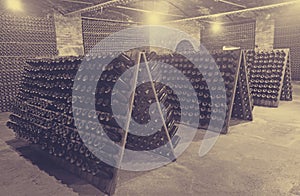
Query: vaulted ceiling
[135,10]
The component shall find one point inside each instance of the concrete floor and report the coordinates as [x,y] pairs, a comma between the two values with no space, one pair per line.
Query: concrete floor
[256,158]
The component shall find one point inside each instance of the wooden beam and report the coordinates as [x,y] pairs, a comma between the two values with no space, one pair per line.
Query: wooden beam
[108,20]
[231,3]
[236,12]
[79,2]
[100,6]
[147,11]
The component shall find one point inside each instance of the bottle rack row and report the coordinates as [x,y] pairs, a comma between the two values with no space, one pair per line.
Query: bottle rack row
[96,26]
[49,114]
[19,23]
[27,36]
[231,66]
[95,31]
[270,76]
[287,89]
[20,38]
[11,75]
[27,49]
[43,116]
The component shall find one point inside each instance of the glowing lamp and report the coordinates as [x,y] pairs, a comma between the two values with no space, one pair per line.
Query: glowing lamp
[14,5]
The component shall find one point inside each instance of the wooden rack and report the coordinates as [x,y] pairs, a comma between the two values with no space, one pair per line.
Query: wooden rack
[35,114]
[239,101]
[283,92]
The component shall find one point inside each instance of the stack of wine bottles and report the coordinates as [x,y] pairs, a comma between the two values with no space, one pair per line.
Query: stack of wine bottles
[143,113]
[27,36]
[233,71]
[21,37]
[249,55]
[11,72]
[243,101]
[95,30]
[287,89]
[270,76]
[43,115]
[47,110]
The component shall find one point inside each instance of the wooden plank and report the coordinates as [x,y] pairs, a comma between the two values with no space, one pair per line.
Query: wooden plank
[230,106]
[282,77]
[248,82]
[272,103]
[287,86]
[243,71]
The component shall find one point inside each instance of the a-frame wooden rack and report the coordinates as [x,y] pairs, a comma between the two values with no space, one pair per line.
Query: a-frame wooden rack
[231,64]
[270,76]
[240,102]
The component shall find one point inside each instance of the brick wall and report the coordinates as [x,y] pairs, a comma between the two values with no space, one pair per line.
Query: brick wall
[68,35]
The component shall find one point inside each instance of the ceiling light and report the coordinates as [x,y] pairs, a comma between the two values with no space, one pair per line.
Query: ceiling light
[216,27]
[153,18]
[15,5]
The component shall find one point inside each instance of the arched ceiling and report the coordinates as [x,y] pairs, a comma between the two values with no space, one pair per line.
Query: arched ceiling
[135,10]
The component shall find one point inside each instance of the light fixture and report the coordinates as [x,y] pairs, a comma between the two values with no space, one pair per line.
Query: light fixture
[153,18]
[230,48]
[14,5]
[216,27]
[268,16]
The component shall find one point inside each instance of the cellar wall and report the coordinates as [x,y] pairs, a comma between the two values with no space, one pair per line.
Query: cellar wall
[190,27]
[69,35]
[238,34]
[264,32]
[287,32]
[22,37]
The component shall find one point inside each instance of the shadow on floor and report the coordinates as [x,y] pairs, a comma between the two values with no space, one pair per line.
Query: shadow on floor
[40,159]
[45,164]
[234,122]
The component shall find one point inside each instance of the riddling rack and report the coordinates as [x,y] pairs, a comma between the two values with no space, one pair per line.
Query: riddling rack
[43,115]
[270,76]
[287,89]
[231,64]
[46,108]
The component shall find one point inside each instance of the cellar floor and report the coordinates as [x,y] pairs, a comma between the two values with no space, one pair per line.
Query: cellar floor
[256,158]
